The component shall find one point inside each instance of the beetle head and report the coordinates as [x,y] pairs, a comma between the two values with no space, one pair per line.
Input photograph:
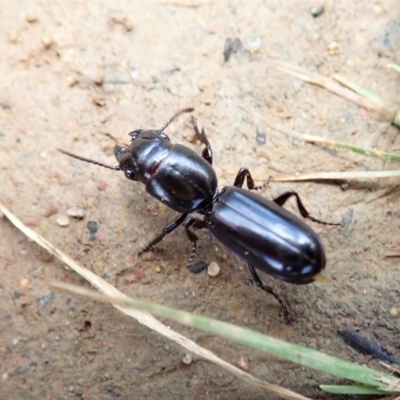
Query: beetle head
[125,161]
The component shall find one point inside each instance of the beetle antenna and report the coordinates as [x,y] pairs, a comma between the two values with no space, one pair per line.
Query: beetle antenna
[88,160]
[185,110]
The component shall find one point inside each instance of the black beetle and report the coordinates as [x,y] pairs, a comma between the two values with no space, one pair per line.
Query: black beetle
[259,231]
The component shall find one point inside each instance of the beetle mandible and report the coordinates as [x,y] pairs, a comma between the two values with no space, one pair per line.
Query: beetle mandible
[259,231]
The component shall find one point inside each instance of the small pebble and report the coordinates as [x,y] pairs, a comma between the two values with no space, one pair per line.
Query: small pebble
[76,213]
[54,174]
[227,49]
[297,83]
[190,137]
[394,312]
[31,221]
[317,10]
[99,101]
[187,359]
[24,301]
[24,282]
[198,267]
[253,45]
[157,269]
[44,300]
[359,321]
[13,35]
[213,269]
[97,77]
[47,42]
[93,227]
[102,186]
[138,368]
[72,80]
[148,256]
[242,364]
[232,46]
[344,185]
[347,217]
[50,210]
[138,273]
[333,46]
[31,17]
[62,220]
[122,19]
[260,137]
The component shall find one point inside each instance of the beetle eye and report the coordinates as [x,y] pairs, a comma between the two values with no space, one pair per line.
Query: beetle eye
[135,133]
[119,152]
[164,136]
[130,174]
[126,163]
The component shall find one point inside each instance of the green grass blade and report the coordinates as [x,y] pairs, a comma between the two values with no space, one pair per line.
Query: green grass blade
[379,101]
[367,152]
[328,142]
[353,390]
[340,145]
[298,354]
[395,67]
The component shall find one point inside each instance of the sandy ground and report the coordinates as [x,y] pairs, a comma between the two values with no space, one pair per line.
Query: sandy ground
[80,76]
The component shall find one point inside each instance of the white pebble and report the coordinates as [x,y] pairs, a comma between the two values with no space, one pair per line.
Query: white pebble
[253,45]
[62,220]
[213,269]
[187,359]
[76,213]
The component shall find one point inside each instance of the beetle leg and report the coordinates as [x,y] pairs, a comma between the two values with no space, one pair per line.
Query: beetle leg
[207,151]
[168,229]
[245,173]
[288,312]
[194,224]
[284,197]
[185,110]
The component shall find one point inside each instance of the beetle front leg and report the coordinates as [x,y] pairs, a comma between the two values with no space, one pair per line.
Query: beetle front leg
[207,151]
[194,224]
[284,197]
[288,312]
[243,174]
[168,229]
